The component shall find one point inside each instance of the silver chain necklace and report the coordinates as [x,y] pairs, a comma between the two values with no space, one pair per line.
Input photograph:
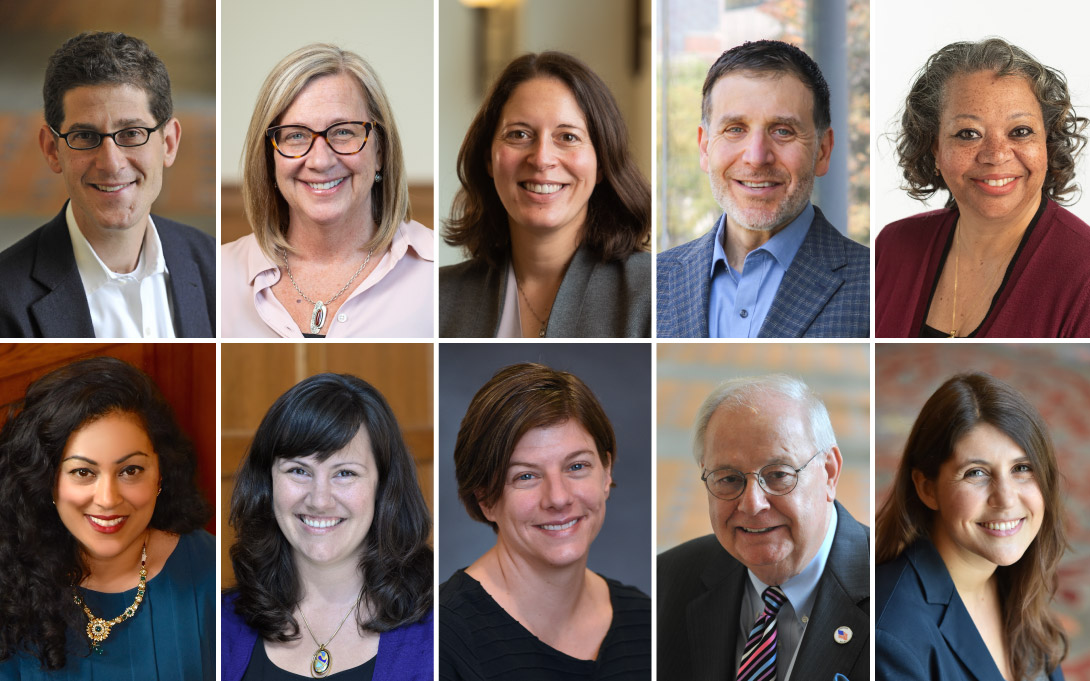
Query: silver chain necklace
[318,314]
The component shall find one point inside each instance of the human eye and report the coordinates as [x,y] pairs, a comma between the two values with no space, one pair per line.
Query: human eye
[975,475]
[345,473]
[131,471]
[1022,131]
[569,138]
[783,132]
[733,129]
[83,136]
[516,135]
[967,134]
[1022,470]
[579,467]
[82,473]
[727,477]
[343,131]
[130,134]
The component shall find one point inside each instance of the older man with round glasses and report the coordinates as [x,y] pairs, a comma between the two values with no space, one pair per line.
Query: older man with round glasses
[104,267]
[781,589]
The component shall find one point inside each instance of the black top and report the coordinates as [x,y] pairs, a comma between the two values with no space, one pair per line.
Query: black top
[479,641]
[261,668]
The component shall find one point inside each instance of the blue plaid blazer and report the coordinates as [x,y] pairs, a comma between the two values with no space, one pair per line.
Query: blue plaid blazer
[824,294]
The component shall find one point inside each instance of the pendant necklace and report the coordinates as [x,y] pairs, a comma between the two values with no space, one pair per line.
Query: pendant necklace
[544,322]
[318,314]
[98,629]
[322,660]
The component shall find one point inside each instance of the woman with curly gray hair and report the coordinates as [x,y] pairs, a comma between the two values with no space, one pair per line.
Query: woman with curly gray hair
[996,129]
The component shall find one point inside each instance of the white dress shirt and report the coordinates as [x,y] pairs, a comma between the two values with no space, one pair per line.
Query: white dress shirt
[133,305]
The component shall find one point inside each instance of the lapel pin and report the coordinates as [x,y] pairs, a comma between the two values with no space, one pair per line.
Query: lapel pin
[842,635]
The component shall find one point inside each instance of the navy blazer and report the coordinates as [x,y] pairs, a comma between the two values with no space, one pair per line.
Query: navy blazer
[825,293]
[922,629]
[42,296]
[700,589]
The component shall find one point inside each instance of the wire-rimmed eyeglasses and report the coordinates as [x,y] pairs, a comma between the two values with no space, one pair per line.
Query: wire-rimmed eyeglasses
[345,138]
[776,479]
[135,136]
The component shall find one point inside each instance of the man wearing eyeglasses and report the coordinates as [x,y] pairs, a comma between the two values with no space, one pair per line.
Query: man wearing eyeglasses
[105,267]
[781,589]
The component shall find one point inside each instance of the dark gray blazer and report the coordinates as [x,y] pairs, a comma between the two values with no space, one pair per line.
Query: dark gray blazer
[595,300]
[42,296]
[700,588]
[825,293]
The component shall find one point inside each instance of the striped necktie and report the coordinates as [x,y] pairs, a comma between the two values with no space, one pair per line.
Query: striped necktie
[759,657]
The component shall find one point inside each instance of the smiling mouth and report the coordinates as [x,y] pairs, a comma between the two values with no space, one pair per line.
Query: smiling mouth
[320,523]
[757,185]
[562,526]
[999,183]
[107,522]
[111,188]
[1003,526]
[756,530]
[325,185]
[541,188]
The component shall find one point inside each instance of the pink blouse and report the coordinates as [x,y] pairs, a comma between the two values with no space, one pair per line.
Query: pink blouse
[396,300]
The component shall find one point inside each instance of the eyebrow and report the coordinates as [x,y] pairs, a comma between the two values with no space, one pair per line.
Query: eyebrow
[77,457]
[572,455]
[573,126]
[123,123]
[1013,116]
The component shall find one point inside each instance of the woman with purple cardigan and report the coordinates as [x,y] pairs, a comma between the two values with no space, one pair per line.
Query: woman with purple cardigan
[331,526]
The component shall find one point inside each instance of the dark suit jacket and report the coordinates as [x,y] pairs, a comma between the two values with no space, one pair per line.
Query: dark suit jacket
[595,300]
[825,293]
[700,588]
[922,629]
[42,296]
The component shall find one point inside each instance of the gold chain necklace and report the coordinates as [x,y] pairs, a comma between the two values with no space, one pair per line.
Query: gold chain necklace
[318,314]
[97,628]
[544,322]
[322,660]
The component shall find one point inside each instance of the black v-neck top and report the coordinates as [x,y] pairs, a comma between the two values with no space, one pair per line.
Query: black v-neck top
[261,668]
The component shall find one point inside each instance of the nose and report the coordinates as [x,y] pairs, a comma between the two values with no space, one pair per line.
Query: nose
[557,491]
[758,151]
[107,495]
[543,153]
[1003,492]
[320,156]
[753,499]
[994,150]
[321,494]
[108,156]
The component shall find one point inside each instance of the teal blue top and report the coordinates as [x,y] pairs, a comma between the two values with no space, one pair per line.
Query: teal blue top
[171,638]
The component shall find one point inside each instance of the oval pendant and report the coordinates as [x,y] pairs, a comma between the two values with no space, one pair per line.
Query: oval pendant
[319,664]
[317,317]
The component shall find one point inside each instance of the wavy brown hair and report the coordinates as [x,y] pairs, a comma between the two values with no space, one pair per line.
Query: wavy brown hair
[619,212]
[1035,640]
[923,111]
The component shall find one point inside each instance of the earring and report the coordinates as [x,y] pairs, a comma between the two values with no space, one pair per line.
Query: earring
[938,173]
[378,176]
[160,490]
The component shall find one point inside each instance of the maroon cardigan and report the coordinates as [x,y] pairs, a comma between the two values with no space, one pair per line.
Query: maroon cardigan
[1047,295]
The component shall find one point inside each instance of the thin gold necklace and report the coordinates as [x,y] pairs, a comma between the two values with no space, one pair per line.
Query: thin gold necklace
[98,629]
[544,322]
[322,660]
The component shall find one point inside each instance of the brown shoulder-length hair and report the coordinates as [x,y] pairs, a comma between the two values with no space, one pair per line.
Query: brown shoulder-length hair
[516,400]
[923,111]
[1035,640]
[265,206]
[619,213]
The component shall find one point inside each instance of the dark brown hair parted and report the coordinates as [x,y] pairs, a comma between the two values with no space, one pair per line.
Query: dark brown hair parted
[619,213]
[516,400]
[94,58]
[922,114]
[1035,640]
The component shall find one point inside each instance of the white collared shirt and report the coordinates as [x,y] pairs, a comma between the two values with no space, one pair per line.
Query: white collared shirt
[133,305]
[794,614]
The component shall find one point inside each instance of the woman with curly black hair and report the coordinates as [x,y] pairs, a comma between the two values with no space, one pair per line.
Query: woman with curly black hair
[104,570]
[996,129]
[331,526]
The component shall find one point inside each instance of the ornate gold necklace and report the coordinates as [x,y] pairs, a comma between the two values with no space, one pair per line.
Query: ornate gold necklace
[322,660]
[98,629]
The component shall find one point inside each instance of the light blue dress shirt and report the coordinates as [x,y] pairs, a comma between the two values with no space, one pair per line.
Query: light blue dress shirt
[739,302]
[794,615]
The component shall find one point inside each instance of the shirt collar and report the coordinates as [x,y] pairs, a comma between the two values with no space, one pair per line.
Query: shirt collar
[783,245]
[95,274]
[802,588]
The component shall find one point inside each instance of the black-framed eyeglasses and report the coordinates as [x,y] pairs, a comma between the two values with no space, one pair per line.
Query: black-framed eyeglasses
[83,140]
[776,479]
[345,138]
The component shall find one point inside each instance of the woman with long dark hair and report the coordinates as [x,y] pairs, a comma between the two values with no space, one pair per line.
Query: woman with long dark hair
[332,535]
[969,540]
[104,570]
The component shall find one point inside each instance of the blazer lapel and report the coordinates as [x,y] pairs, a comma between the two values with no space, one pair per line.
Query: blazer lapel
[712,620]
[841,601]
[808,284]
[688,289]
[186,288]
[63,311]
[568,307]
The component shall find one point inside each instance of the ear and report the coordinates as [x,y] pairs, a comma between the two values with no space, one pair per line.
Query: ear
[488,166]
[834,462]
[825,153]
[50,149]
[608,482]
[702,143]
[172,137]
[925,490]
[487,510]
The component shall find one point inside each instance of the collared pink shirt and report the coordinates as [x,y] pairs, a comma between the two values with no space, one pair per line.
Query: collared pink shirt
[396,300]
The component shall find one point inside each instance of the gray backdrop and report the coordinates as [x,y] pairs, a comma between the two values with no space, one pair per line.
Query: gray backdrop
[619,374]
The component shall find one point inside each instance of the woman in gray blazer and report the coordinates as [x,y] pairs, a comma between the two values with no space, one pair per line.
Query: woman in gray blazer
[553,212]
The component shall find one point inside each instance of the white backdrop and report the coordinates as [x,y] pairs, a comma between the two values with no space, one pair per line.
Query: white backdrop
[904,35]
